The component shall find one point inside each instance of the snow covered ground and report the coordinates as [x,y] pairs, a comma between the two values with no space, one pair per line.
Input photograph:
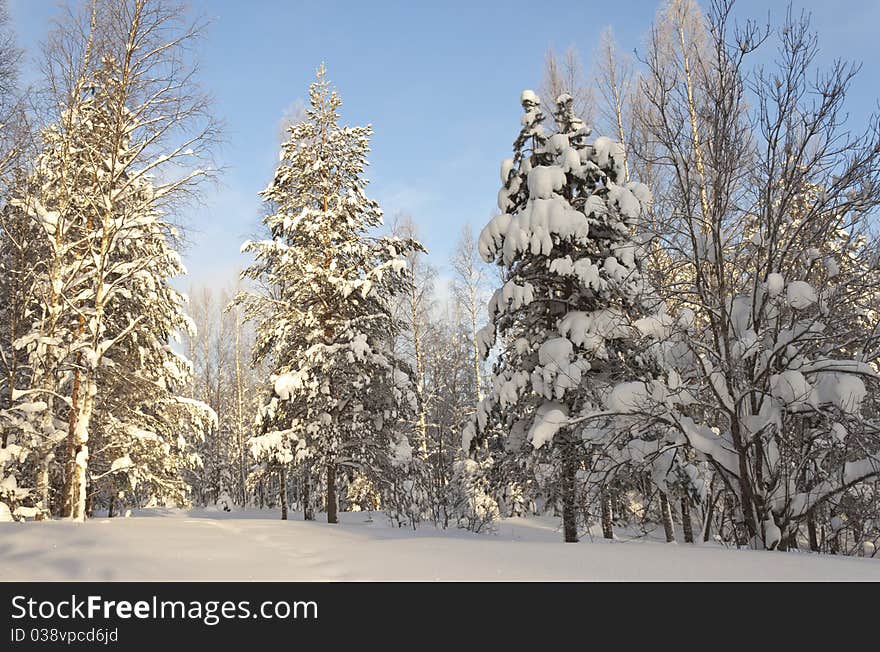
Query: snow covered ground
[254,545]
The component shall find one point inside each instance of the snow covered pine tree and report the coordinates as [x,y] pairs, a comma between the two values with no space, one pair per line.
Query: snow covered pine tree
[573,291]
[338,394]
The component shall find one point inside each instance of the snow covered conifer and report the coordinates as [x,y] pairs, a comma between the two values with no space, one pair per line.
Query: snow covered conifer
[565,316]
[325,323]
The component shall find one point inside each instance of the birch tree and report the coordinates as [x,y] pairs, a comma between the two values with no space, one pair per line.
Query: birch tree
[120,157]
[771,195]
[469,290]
[564,75]
[417,306]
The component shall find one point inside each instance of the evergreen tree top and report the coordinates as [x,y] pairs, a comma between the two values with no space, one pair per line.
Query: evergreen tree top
[318,185]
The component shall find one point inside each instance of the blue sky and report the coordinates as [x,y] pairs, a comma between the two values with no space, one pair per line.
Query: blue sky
[439,81]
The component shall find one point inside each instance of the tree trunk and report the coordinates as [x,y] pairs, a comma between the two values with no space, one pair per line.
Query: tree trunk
[331,492]
[686,520]
[80,416]
[607,516]
[722,518]
[308,510]
[666,514]
[788,538]
[79,473]
[569,497]
[70,466]
[283,490]
[811,530]
[443,511]
[43,485]
[420,391]
[239,411]
[476,348]
[710,512]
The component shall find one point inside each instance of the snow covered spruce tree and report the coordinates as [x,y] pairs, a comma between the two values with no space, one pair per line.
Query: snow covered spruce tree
[338,396]
[573,290]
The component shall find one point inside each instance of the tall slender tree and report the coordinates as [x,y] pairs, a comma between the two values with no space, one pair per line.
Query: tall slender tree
[469,290]
[337,392]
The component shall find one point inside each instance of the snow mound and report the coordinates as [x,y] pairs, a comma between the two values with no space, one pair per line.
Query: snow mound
[549,418]
[800,295]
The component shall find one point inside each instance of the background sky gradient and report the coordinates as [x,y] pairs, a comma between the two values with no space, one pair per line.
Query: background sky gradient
[440,83]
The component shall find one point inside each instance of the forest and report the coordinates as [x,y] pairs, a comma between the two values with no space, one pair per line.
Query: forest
[670,325]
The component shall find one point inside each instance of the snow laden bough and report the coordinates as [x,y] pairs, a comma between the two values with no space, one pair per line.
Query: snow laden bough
[801,404]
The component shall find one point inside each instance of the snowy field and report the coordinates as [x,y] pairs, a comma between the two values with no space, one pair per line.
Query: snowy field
[254,545]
